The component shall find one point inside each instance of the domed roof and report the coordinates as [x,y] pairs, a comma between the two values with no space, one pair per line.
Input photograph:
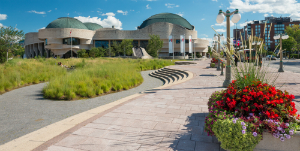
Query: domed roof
[167,17]
[92,26]
[67,22]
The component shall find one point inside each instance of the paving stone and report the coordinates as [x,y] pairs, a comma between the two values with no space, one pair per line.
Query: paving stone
[97,126]
[186,145]
[105,120]
[115,135]
[166,126]
[71,141]
[176,111]
[201,138]
[60,148]
[144,124]
[150,139]
[204,146]
[84,131]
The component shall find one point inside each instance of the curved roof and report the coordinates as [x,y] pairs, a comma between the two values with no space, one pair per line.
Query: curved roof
[92,26]
[67,22]
[167,17]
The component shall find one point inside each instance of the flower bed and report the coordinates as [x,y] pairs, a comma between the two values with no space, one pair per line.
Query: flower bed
[239,115]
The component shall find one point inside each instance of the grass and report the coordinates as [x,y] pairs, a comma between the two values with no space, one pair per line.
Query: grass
[91,77]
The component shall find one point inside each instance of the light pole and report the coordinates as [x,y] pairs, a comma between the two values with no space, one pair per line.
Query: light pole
[220,18]
[281,37]
[217,37]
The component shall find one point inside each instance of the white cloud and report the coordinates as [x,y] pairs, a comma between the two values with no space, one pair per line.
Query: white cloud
[220,30]
[147,6]
[106,22]
[224,23]
[55,8]
[203,19]
[3,16]
[204,35]
[180,14]
[289,7]
[210,40]
[171,5]
[245,23]
[266,15]
[122,12]
[109,14]
[1,25]
[49,11]
[33,11]
[41,28]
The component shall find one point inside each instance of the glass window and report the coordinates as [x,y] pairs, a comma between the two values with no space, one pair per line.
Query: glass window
[135,43]
[101,43]
[75,41]
[46,43]
[144,43]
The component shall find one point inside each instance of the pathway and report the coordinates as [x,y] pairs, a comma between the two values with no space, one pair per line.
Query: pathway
[24,110]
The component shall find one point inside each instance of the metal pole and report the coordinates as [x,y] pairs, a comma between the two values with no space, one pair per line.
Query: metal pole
[228,67]
[218,68]
[71,47]
[222,73]
[194,49]
[184,46]
[173,47]
[281,68]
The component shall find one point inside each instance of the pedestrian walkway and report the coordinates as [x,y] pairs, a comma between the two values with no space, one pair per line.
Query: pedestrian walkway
[168,119]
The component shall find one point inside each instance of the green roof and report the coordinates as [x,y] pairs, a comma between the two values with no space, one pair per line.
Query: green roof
[67,22]
[167,17]
[92,26]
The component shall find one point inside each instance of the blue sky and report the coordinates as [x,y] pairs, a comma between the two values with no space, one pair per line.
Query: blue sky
[31,15]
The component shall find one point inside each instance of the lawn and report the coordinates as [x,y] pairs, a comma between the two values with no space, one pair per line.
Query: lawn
[90,78]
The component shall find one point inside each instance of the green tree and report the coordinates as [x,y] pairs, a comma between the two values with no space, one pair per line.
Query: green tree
[102,52]
[209,51]
[94,52]
[126,45]
[154,45]
[116,48]
[289,44]
[9,40]
[293,32]
[82,53]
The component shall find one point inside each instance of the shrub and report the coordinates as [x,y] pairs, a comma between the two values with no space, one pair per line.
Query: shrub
[235,135]
[212,65]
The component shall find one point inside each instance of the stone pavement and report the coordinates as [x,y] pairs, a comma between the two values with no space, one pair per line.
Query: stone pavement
[170,119]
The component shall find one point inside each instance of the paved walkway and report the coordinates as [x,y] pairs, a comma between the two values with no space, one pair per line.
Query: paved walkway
[24,110]
[170,119]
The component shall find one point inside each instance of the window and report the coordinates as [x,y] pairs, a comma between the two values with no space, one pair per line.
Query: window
[135,43]
[144,43]
[101,43]
[75,41]
[46,43]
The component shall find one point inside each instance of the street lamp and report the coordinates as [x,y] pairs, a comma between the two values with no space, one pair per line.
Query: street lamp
[220,18]
[281,37]
[217,37]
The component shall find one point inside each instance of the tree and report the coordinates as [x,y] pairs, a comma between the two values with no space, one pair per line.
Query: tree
[294,32]
[126,45]
[9,39]
[289,44]
[102,52]
[116,48]
[94,52]
[154,45]
[82,53]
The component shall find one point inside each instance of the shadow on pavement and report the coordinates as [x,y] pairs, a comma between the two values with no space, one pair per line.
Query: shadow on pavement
[193,137]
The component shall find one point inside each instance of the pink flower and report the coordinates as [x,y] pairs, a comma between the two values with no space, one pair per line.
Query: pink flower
[234,121]
[243,131]
[254,134]
[287,124]
[242,123]
[282,138]
[288,136]
[244,127]
[291,132]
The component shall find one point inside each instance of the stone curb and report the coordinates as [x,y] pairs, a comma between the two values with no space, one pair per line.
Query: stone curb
[35,139]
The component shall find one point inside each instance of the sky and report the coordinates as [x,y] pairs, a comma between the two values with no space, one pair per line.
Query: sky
[32,15]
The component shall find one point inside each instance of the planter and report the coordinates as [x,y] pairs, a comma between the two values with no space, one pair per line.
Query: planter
[212,65]
[269,143]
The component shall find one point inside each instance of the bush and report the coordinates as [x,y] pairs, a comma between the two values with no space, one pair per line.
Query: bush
[94,52]
[236,135]
[294,56]
[82,53]
[198,55]
[212,65]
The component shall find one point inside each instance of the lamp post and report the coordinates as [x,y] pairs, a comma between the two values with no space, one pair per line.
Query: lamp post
[281,37]
[217,37]
[220,18]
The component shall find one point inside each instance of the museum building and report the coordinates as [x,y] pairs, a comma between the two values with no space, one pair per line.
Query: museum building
[55,39]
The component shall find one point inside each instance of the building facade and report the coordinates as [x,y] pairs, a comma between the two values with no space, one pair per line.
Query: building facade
[55,39]
[267,29]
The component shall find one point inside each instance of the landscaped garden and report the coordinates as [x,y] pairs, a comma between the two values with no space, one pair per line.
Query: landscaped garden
[88,78]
